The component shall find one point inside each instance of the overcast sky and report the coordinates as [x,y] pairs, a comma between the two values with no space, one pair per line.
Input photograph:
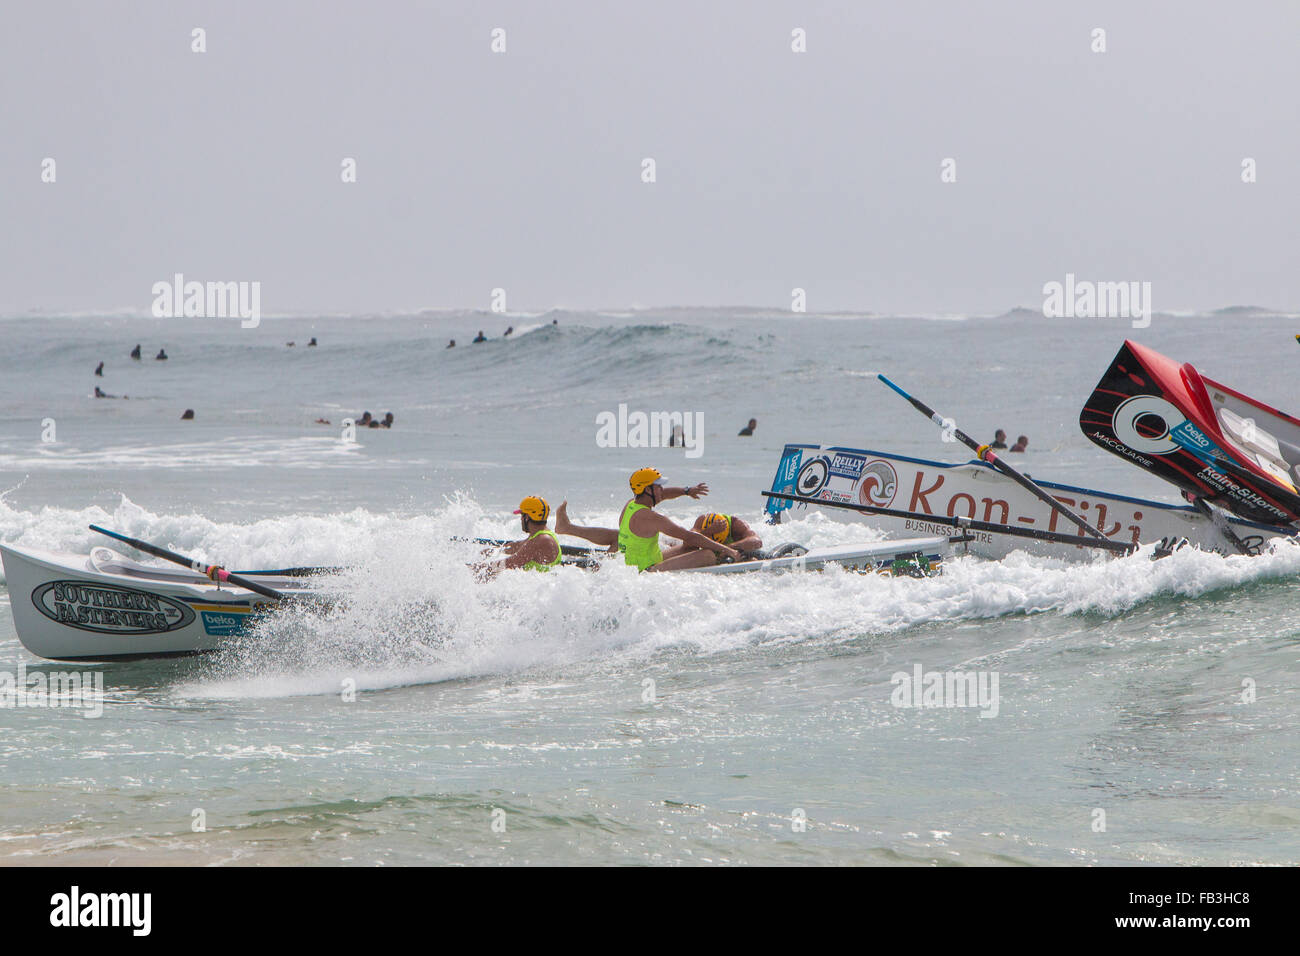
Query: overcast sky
[775,169]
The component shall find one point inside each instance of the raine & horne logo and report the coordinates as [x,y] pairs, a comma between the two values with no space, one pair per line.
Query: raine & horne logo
[639,429]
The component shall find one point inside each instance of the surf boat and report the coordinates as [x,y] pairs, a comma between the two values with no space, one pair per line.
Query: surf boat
[916,496]
[107,607]
[1236,461]
[1217,445]
[71,607]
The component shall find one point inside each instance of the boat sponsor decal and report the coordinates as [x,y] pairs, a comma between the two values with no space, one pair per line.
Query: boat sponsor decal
[843,473]
[109,608]
[785,482]
[1196,441]
[223,623]
[879,484]
[813,477]
[1239,493]
[1143,423]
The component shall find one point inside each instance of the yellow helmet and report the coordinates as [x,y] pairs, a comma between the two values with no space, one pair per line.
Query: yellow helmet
[643,478]
[716,526]
[534,507]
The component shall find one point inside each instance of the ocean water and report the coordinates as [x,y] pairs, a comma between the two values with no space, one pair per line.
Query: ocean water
[1146,713]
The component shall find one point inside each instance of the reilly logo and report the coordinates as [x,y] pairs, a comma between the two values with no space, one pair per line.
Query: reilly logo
[75,909]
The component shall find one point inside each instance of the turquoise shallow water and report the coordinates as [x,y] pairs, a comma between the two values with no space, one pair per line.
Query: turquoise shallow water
[609,718]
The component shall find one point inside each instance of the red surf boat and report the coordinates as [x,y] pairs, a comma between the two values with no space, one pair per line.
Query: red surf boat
[1218,445]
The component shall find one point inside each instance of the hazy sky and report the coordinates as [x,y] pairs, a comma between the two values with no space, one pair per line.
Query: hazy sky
[522,170]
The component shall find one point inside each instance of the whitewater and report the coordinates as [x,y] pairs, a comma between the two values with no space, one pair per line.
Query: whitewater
[610,717]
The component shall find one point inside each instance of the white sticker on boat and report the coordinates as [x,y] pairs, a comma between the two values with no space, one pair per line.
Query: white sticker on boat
[108,609]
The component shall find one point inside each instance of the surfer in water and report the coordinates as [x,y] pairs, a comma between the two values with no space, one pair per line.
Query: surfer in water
[1020,444]
[748,429]
[999,441]
[540,551]
[161,356]
[99,369]
[639,527]
[135,353]
[479,338]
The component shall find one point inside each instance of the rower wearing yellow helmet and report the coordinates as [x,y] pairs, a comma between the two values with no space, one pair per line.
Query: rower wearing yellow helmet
[540,551]
[729,530]
[639,527]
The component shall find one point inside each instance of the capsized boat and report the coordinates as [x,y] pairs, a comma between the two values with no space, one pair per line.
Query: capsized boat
[916,496]
[1236,460]
[1219,446]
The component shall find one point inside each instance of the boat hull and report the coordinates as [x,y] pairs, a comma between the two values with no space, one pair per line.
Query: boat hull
[930,498]
[1212,442]
[66,608]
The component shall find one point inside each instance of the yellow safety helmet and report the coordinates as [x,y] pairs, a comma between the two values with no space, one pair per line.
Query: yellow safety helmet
[643,478]
[721,525]
[534,507]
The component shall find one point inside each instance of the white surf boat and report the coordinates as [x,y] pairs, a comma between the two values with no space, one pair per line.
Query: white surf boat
[915,496]
[69,607]
[106,607]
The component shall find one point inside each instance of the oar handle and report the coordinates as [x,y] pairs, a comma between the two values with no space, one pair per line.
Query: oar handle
[211,571]
[985,453]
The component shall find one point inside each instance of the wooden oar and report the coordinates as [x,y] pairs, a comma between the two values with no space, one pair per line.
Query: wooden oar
[211,571]
[985,453]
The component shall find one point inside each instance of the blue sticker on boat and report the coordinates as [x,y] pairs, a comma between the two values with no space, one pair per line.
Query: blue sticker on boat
[221,624]
[784,483]
[1190,437]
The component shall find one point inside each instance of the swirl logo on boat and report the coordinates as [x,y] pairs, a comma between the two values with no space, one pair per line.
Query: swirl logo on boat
[108,609]
[1143,422]
[879,484]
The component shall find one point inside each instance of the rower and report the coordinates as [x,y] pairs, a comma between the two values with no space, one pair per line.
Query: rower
[540,551]
[728,530]
[639,527]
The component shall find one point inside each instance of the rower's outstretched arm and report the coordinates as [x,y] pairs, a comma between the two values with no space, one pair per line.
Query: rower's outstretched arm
[605,537]
[694,491]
